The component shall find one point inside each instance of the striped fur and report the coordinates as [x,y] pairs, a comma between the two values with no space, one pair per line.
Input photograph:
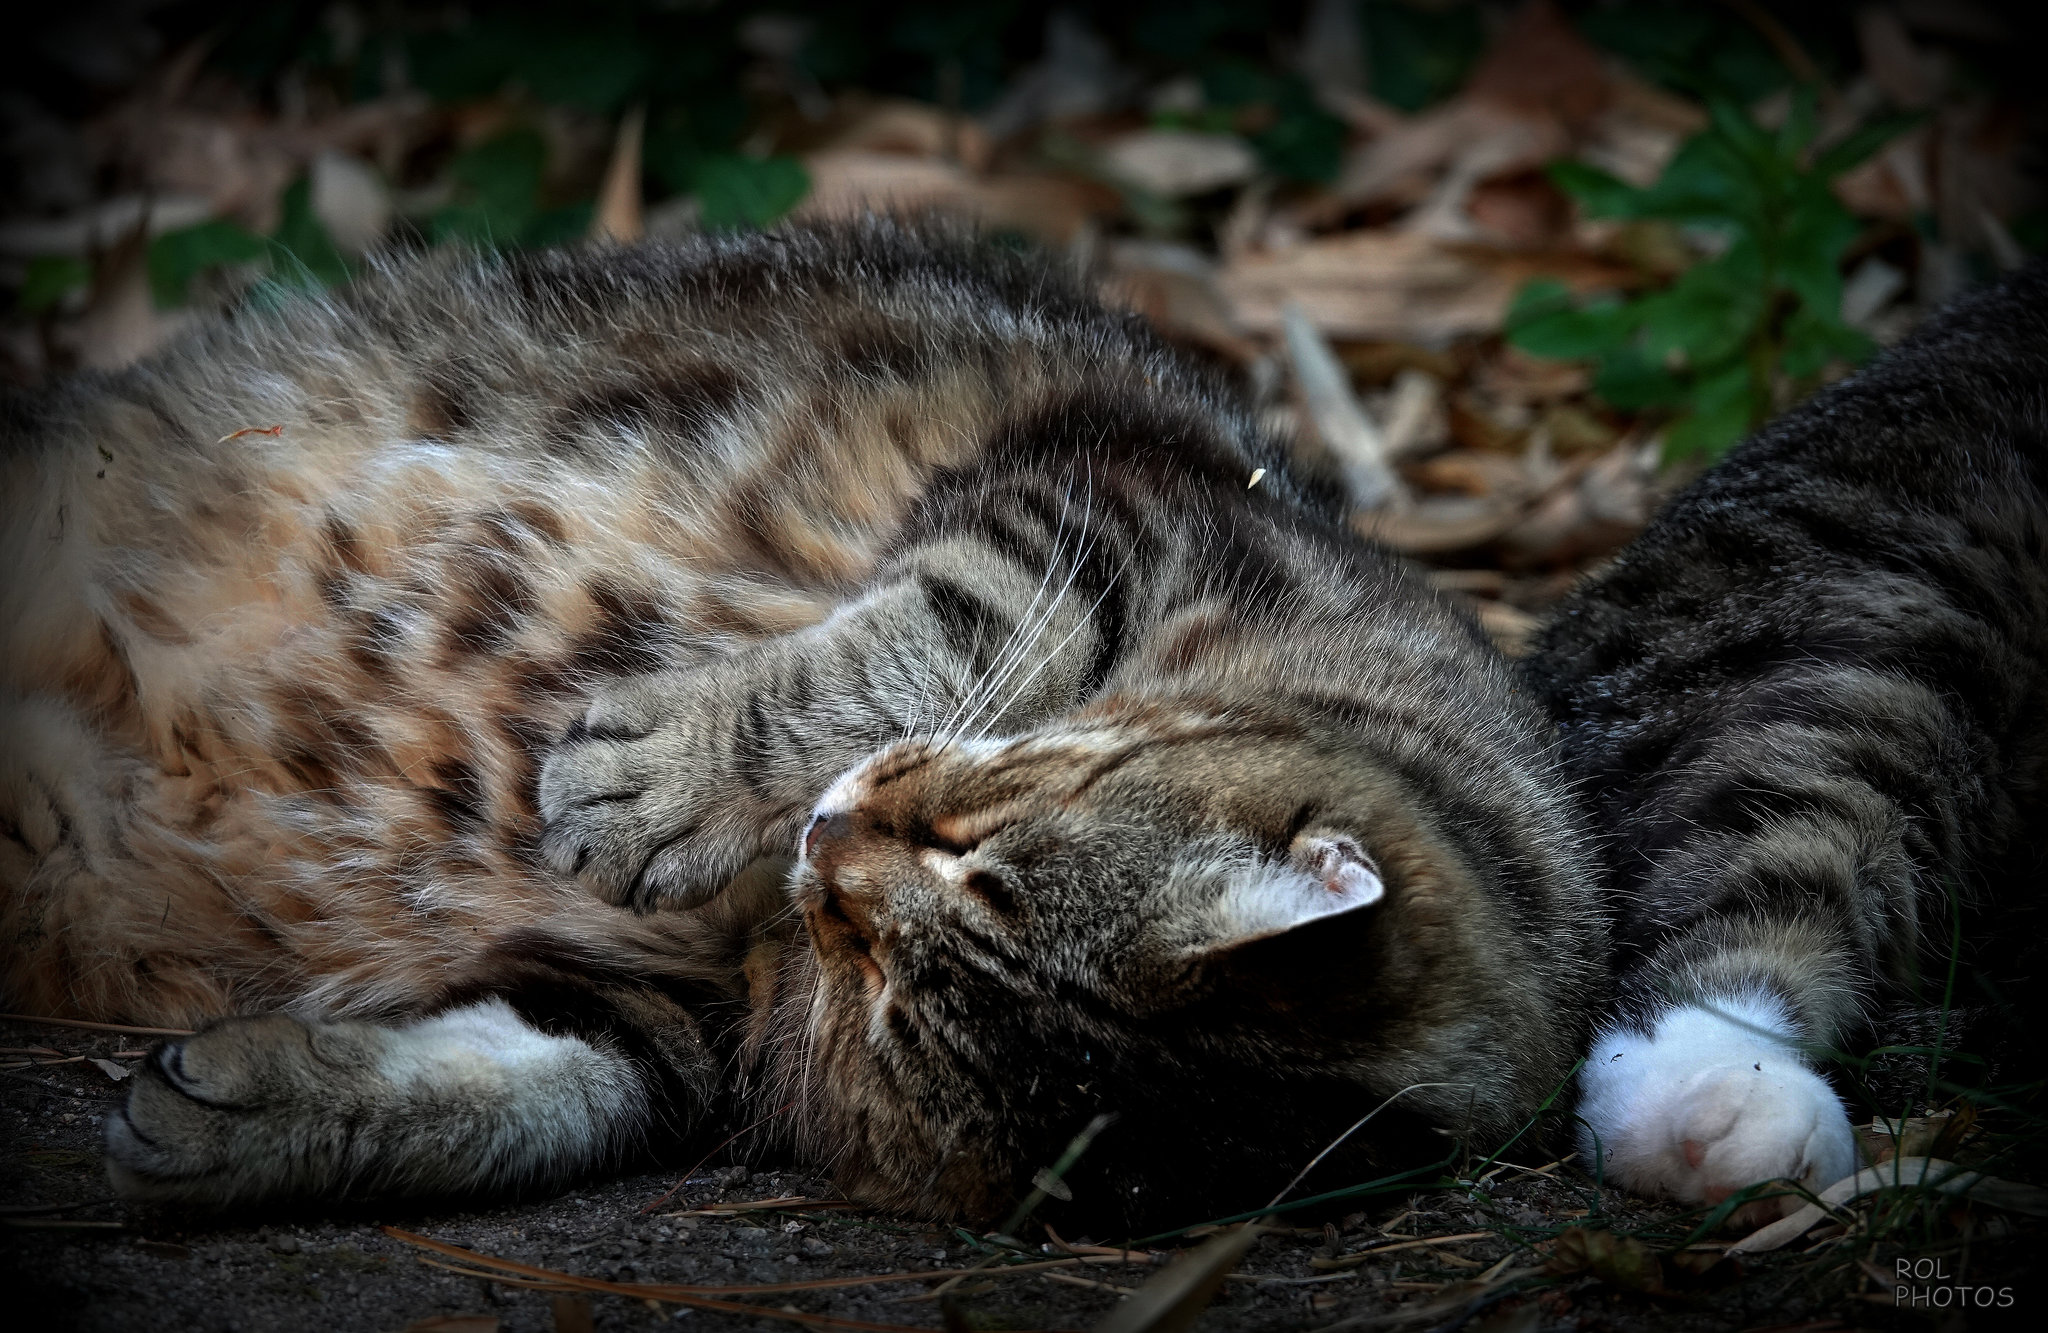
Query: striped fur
[1809,706]
[365,658]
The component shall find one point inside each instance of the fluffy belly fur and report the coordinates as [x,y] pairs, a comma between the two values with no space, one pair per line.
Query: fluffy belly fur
[291,618]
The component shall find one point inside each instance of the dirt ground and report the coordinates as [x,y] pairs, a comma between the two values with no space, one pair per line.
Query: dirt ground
[71,1256]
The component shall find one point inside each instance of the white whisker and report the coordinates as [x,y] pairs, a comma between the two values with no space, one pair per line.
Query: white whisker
[1038,629]
[1024,633]
[1086,620]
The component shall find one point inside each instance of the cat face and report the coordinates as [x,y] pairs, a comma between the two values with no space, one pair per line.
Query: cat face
[1184,920]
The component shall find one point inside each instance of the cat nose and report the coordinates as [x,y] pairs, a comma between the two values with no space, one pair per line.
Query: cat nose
[825,826]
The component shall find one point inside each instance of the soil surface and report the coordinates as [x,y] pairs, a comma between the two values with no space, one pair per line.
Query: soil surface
[71,1256]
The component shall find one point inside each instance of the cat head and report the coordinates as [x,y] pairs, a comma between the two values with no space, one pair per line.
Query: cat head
[1231,935]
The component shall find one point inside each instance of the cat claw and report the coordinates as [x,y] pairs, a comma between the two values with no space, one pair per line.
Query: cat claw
[207,1113]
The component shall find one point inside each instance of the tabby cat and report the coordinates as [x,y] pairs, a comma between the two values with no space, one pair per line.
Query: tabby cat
[1808,708]
[985,726]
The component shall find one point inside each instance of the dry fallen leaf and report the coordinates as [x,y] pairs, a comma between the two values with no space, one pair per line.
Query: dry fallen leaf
[1394,286]
[351,201]
[909,129]
[850,183]
[618,216]
[1339,422]
[1538,63]
[1500,144]
[1177,163]
[121,324]
[1639,132]
[1415,420]
[1930,1173]
[1905,74]
[1171,1300]
[1439,524]
[1472,472]
[571,1312]
[1618,1260]
[102,225]
[1401,164]
[1512,629]
[1174,287]
[455,1323]
[1937,1135]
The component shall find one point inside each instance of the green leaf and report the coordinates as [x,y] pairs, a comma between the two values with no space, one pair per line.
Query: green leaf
[1817,233]
[1812,342]
[1862,142]
[302,254]
[177,257]
[672,156]
[1709,346]
[1305,143]
[497,191]
[595,70]
[1707,314]
[1634,383]
[1599,194]
[735,191]
[1709,179]
[1723,409]
[586,61]
[504,173]
[1733,125]
[1419,55]
[558,226]
[471,62]
[1538,297]
[1544,322]
[49,279]
[1703,50]
[1802,121]
[1300,141]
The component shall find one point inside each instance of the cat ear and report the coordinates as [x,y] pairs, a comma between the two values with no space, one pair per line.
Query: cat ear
[1324,874]
[1342,865]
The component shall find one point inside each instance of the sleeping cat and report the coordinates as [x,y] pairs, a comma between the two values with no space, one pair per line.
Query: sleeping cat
[364,655]
[369,660]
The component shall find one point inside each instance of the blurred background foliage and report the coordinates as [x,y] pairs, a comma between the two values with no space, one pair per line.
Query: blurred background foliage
[1732,266]
[689,64]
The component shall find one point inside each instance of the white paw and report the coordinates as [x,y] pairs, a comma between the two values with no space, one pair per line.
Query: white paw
[1715,1099]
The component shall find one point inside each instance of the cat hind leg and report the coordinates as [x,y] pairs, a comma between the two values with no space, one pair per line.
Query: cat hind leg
[473,1099]
[1715,1097]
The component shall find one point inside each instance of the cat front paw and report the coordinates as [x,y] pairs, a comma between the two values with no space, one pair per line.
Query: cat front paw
[226,1116]
[641,799]
[1716,1099]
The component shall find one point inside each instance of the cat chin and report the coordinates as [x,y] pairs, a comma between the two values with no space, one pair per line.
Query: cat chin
[1714,1098]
